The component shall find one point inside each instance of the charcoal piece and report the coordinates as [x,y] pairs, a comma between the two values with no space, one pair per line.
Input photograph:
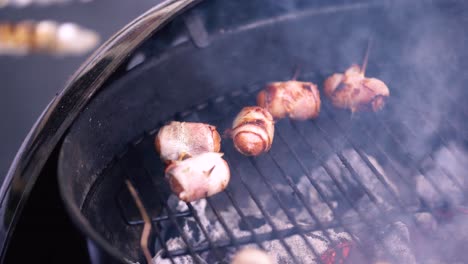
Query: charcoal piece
[395,247]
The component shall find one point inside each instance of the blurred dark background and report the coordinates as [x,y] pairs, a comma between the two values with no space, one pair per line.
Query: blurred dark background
[28,83]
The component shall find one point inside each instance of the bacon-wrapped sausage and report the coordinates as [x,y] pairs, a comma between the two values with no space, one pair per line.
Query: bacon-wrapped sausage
[198,177]
[251,256]
[253,130]
[295,99]
[352,90]
[45,37]
[179,139]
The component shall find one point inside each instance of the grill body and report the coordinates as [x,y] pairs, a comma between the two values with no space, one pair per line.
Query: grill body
[339,183]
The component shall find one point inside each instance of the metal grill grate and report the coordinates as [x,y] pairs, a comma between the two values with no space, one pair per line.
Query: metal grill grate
[299,148]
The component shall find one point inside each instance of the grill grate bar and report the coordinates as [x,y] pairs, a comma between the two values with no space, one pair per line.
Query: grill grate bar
[267,217]
[285,210]
[415,165]
[268,236]
[348,166]
[205,232]
[380,150]
[365,159]
[401,147]
[389,189]
[379,176]
[351,169]
[159,218]
[174,221]
[251,89]
[221,220]
[302,198]
[446,121]
[163,243]
[450,100]
[459,107]
[317,225]
[369,224]
[453,179]
[215,211]
[275,234]
[233,240]
[319,191]
[356,178]
[155,229]
[446,173]
[421,116]
[238,210]
[340,187]
[281,203]
[241,214]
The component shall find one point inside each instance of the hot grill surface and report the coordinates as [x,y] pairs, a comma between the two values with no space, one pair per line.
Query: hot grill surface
[339,187]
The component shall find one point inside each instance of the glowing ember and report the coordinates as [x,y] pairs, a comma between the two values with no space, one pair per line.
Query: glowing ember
[338,253]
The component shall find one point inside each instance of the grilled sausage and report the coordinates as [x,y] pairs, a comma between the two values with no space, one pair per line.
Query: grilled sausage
[352,90]
[253,130]
[27,3]
[251,256]
[295,99]
[198,177]
[46,37]
[179,139]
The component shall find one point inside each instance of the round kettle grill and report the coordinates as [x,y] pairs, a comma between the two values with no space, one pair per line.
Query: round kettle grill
[385,187]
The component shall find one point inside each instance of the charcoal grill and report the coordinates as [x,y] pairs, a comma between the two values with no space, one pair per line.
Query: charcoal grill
[386,187]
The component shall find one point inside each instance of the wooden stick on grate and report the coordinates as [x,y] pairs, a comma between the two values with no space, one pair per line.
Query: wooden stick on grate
[147,227]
